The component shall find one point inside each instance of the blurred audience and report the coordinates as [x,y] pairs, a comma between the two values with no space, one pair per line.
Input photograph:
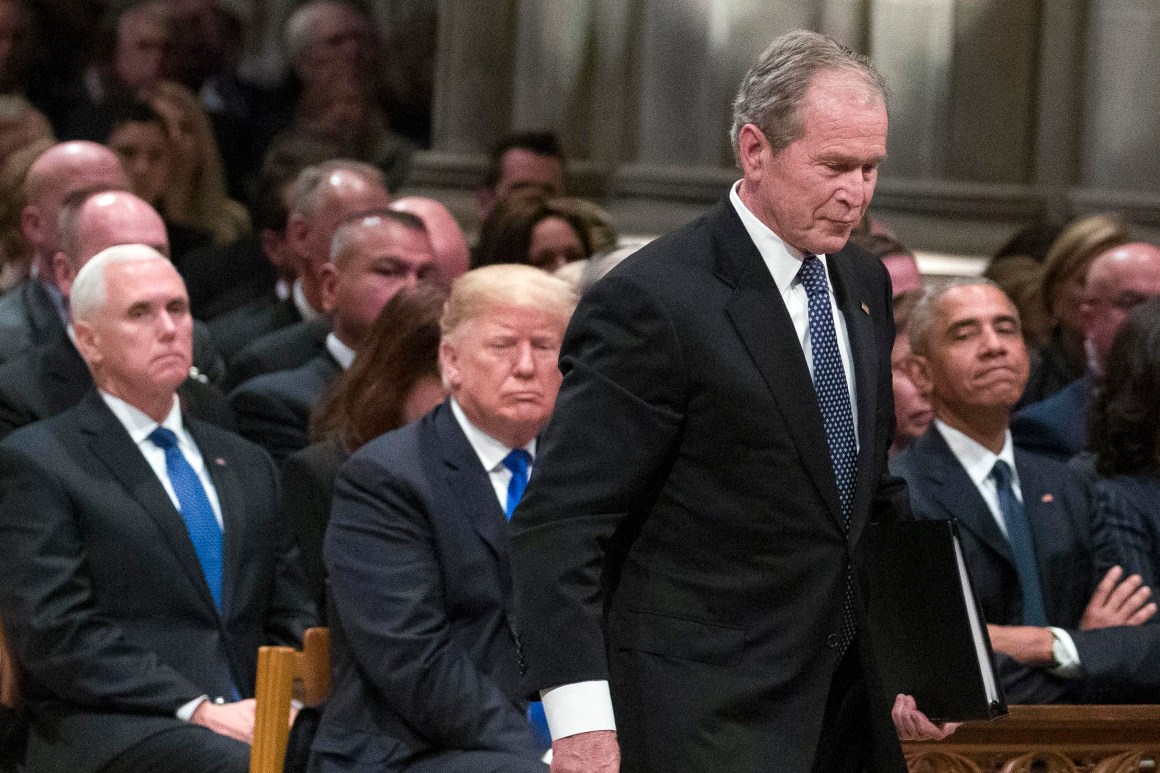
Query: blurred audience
[373,256]
[15,251]
[899,261]
[1061,360]
[426,669]
[393,381]
[1118,280]
[1017,268]
[1125,429]
[446,236]
[528,227]
[912,412]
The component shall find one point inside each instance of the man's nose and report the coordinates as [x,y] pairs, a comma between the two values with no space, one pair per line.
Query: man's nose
[854,189]
[525,364]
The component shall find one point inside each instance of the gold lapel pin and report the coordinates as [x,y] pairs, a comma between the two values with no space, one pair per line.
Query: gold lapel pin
[865,309]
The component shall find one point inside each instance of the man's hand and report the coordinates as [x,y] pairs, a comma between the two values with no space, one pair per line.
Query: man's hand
[595,752]
[912,724]
[1118,602]
[235,720]
[1027,644]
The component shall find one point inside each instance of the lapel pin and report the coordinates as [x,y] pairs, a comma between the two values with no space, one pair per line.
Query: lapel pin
[1047,498]
[219,462]
[865,309]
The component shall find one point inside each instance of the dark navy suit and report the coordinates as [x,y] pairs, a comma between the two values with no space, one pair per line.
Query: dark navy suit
[1057,425]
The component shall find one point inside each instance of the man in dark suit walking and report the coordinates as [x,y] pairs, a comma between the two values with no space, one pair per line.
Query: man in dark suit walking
[425,666]
[691,542]
[1068,621]
[142,559]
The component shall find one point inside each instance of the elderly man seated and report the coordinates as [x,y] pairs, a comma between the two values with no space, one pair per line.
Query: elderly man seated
[1070,626]
[142,558]
[426,670]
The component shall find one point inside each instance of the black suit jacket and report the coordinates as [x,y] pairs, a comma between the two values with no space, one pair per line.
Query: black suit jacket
[28,318]
[51,378]
[282,349]
[307,491]
[1073,549]
[273,410]
[682,533]
[242,326]
[101,592]
[223,277]
[423,652]
[1057,425]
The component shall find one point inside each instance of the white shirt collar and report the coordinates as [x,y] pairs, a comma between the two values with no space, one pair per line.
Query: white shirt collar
[342,353]
[490,451]
[976,459]
[138,424]
[784,262]
[308,312]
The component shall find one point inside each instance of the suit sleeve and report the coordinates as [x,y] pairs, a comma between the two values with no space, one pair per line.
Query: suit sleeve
[601,462]
[268,421]
[46,599]
[891,498]
[385,582]
[306,509]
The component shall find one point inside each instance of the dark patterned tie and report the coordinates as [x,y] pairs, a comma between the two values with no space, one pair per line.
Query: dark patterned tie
[204,531]
[1022,548]
[837,414]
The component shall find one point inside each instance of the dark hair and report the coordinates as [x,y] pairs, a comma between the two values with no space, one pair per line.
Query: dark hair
[123,111]
[401,348]
[542,143]
[506,235]
[1124,420]
[880,245]
[285,158]
[1033,240]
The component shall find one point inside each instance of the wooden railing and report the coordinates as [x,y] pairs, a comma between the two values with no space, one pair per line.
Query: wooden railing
[1051,739]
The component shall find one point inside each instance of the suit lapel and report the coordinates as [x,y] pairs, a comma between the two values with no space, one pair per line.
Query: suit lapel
[112,445]
[231,497]
[66,376]
[472,487]
[763,324]
[956,494]
[43,317]
[860,327]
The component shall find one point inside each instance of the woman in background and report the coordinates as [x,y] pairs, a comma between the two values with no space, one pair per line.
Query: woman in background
[527,227]
[393,381]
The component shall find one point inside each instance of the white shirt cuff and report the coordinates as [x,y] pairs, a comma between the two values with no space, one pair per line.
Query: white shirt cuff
[1065,654]
[583,707]
[185,713]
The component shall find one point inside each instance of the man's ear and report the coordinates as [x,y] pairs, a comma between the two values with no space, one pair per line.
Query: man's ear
[275,249]
[752,151]
[297,234]
[86,338]
[918,368]
[449,365]
[328,286]
[485,198]
[63,273]
[32,225]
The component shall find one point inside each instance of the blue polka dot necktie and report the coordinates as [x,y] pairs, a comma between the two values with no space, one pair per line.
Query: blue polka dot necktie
[837,415]
[1022,547]
[517,461]
[204,531]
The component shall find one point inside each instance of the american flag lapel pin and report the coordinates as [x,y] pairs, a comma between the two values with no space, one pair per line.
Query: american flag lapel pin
[219,461]
[865,309]
[1047,498]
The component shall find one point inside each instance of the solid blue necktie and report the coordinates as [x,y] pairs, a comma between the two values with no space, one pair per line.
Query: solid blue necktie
[837,414]
[517,461]
[204,531]
[1022,548]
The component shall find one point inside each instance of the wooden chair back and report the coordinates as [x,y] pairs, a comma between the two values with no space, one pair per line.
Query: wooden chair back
[279,669]
[9,677]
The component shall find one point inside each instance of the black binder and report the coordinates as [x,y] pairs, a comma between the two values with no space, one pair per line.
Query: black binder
[930,638]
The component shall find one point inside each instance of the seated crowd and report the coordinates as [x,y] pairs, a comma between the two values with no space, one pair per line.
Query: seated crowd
[245,390]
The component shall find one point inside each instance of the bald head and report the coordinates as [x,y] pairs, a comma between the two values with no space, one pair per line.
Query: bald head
[94,222]
[60,171]
[447,240]
[1118,280]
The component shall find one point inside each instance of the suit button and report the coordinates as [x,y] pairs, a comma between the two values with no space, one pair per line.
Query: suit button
[833,640]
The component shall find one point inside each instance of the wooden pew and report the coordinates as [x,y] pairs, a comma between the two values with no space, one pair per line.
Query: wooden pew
[1052,739]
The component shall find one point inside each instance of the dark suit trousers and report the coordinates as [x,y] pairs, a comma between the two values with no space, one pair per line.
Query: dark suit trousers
[846,744]
[183,749]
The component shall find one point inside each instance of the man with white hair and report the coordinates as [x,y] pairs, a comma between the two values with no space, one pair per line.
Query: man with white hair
[142,558]
[34,312]
[425,664]
[52,377]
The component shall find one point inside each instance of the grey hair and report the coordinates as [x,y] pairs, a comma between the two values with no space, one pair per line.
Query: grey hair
[309,187]
[89,290]
[772,92]
[296,35]
[923,313]
[350,228]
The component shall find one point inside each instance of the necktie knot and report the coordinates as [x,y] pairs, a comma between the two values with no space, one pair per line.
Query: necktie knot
[812,275]
[517,461]
[1001,472]
[163,438]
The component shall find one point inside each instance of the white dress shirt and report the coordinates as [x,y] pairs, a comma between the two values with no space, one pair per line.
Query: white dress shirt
[979,461]
[308,312]
[491,454]
[341,353]
[587,706]
[140,427]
